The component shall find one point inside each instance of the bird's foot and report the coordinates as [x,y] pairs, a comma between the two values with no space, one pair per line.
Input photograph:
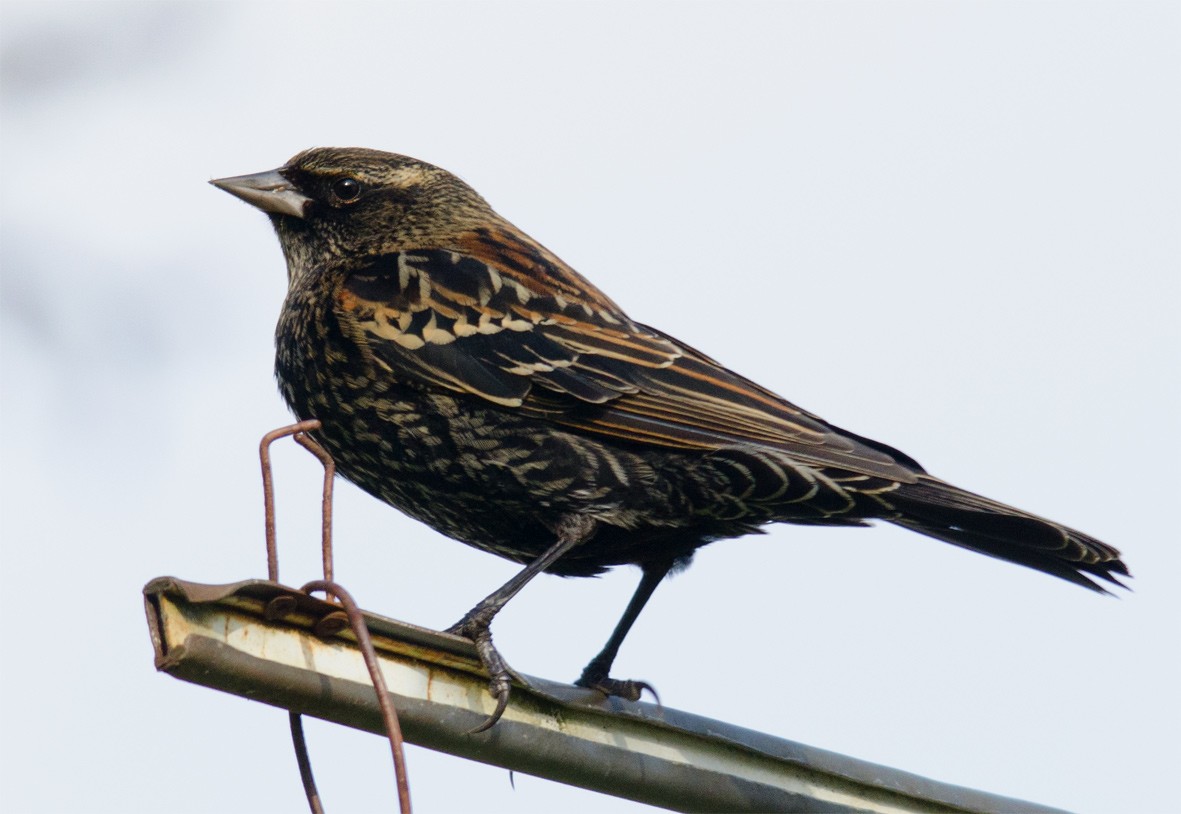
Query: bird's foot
[627,689]
[475,627]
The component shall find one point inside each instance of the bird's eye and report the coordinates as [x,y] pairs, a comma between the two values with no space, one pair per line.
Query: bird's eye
[346,189]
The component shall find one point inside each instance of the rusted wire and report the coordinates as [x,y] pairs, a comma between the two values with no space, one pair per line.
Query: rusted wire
[305,764]
[388,713]
[268,487]
[332,623]
[309,443]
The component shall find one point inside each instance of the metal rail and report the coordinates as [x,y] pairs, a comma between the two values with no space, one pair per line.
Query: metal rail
[225,637]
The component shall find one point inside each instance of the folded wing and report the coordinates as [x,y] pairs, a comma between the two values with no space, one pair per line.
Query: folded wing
[498,328]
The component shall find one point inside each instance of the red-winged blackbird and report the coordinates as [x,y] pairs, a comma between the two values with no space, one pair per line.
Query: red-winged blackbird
[468,377]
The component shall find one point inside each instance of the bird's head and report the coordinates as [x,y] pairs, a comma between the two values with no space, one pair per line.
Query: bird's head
[333,205]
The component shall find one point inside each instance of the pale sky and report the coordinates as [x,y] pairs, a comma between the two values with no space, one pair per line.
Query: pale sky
[952,227]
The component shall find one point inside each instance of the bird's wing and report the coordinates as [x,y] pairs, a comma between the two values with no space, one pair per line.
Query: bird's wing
[539,339]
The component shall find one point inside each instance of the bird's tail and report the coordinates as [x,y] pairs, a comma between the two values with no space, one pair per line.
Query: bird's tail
[938,509]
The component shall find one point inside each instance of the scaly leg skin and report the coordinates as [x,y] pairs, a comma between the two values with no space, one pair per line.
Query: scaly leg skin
[597,674]
[476,624]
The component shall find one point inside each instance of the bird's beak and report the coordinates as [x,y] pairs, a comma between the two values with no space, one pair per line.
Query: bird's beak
[269,191]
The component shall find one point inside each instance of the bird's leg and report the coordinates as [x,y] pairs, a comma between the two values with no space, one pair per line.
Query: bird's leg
[597,673]
[476,623]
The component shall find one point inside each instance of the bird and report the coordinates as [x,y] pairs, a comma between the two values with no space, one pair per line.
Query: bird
[467,376]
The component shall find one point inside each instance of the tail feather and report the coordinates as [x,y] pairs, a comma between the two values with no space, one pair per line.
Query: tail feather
[938,509]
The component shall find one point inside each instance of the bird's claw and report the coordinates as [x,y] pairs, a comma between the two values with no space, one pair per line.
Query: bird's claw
[500,674]
[621,688]
[500,691]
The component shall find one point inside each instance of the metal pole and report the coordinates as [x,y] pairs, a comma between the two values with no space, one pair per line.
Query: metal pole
[220,636]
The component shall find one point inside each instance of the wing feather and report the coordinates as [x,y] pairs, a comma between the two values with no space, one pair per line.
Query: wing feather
[488,328]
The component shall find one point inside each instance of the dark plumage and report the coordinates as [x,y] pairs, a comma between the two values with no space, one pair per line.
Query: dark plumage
[467,376]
